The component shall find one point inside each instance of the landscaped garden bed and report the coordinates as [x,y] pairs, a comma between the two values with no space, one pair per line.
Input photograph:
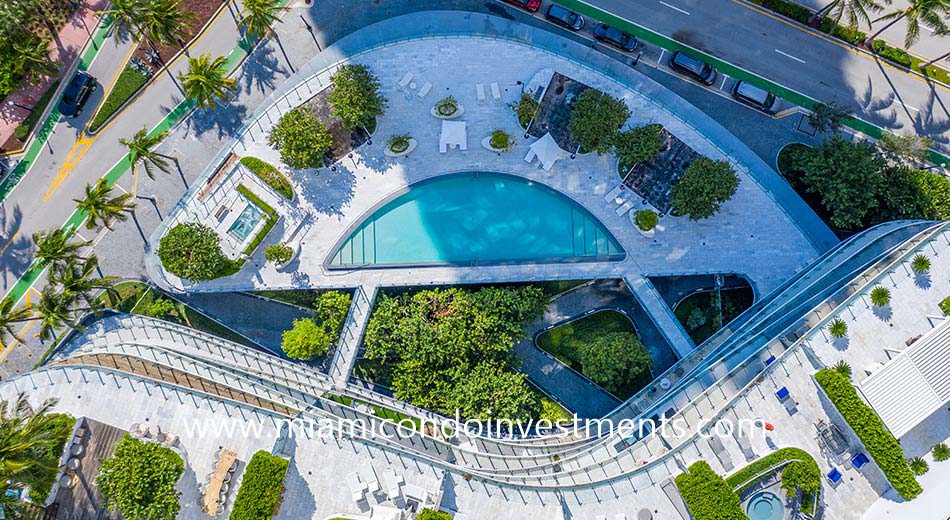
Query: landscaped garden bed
[700,315]
[707,495]
[654,179]
[139,480]
[604,347]
[269,223]
[262,487]
[800,474]
[22,132]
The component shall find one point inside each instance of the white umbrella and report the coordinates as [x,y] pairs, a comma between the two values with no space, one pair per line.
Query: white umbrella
[547,151]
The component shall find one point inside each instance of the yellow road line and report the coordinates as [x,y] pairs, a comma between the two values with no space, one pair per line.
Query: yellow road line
[833,41]
[16,340]
[76,153]
[9,242]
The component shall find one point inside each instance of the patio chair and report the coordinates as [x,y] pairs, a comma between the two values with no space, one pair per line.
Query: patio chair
[769,360]
[614,193]
[404,82]
[716,444]
[480,90]
[834,476]
[785,398]
[859,460]
[495,92]
[424,91]
[625,207]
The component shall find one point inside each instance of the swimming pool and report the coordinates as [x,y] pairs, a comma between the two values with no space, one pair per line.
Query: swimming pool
[246,222]
[469,218]
[765,506]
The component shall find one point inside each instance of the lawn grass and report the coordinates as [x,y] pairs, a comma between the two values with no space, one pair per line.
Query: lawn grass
[22,131]
[734,301]
[270,175]
[128,83]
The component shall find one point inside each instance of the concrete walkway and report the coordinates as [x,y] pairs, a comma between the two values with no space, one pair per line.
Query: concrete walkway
[344,356]
[260,319]
[650,298]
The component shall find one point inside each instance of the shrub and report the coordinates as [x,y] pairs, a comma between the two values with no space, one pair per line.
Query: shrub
[842,368]
[500,140]
[646,219]
[849,34]
[60,427]
[355,97]
[892,54]
[526,108]
[270,175]
[301,139]
[261,487]
[945,306]
[940,452]
[446,106]
[918,465]
[138,480]
[703,188]
[790,10]
[193,251]
[920,263]
[595,120]
[128,83]
[696,319]
[639,145]
[614,359]
[911,148]
[802,474]
[934,191]
[432,514]
[305,340]
[838,328]
[332,308]
[707,495]
[880,296]
[881,445]
[398,143]
[278,253]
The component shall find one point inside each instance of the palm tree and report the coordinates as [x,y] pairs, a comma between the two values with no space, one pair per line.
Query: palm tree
[855,11]
[100,207]
[33,59]
[78,283]
[10,314]
[140,151]
[207,80]
[24,431]
[931,13]
[56,310]
[164,22]
[127,17]
[54,248]
[258,16]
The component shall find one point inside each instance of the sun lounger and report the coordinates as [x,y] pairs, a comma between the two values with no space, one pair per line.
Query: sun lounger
[746,446]
[424,91]
[614,193]
[404,82]
[834,476]
[357,487]
[625,207]
[786,399]
[716,444]
[495,92]
[859,460]
[480,90]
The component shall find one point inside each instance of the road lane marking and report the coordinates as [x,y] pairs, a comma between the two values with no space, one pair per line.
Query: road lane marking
[4,250]
[723,86]
[662,53]
[905,105]
[787,55]
[76,153]
[673,7]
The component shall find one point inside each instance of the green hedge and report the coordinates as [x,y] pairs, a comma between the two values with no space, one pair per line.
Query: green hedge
[803,474]
[128,83]
[707,495]
[881,445]
[22,131]
[788,9]
[898,56]
[270,175]
[848,34]
[945,306]
[261,487]
[265,229]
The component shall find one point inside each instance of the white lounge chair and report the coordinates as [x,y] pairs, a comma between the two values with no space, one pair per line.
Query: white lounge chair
[495,92]
[404,82]
[480,90]
[424,91]
[625,207]
[614,193]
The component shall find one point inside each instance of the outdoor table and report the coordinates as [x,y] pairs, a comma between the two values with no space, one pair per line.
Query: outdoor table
[73,463]
[76,449]
[212,499]
[645,514]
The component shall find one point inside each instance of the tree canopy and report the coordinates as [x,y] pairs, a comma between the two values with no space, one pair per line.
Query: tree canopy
[301,139]
[192,251]
[639,145]
[305,340]
[355,97]
[451,348]
[613,360]
[138,480]
[703,188]
[596,119]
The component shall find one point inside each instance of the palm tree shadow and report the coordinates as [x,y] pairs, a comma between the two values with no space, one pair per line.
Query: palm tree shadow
[227,120]
[883,312]
[840,344]
[923,280]
[260,69]
[19,248]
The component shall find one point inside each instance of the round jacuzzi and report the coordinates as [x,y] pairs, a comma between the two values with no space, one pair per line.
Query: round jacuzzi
[765,506]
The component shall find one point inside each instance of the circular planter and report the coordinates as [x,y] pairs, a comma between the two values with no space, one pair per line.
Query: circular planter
[412,146]
[633,220]
[283,267]
[457,113]
[486,144]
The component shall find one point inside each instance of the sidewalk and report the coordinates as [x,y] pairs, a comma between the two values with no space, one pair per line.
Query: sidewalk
[64,49]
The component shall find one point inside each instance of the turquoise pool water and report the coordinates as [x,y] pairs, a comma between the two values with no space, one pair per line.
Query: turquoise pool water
[477,218]
[765,506]
[246,222]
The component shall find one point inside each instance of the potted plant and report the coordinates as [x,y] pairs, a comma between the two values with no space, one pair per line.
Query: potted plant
[399,144]
[920,264]
[838,328]
[880,296]
[447,108]
[646,221]
[281,254]
[498,141]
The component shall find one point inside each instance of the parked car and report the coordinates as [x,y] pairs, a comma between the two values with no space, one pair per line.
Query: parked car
[76,94]
[528,5]
[565,17]
[693,67]
[754,96]
[619,39]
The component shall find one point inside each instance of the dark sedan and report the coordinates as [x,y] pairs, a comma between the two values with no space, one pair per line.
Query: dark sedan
[619,39]
[76,94]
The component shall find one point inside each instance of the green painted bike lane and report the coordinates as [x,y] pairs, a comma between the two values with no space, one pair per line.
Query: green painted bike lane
[672,45]
[33,273]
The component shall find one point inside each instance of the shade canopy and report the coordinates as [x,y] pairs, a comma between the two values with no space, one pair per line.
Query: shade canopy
[453,134]
[546,150]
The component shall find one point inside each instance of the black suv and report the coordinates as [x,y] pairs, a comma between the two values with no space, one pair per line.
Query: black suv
[76,94]
[565,17]
[619,39]
[692,67]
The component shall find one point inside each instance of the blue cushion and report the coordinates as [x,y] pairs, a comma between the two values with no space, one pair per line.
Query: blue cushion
[859,460]
[834,475]
[782,393]
[769,360]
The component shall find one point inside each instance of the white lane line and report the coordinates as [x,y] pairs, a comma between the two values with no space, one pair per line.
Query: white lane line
[907,106]
[673,7]
[790,56]
[723,86]
[662,53]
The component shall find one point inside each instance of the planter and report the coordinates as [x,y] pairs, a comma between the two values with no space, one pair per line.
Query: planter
[412,146]
[633,220]
[283,267]
[458,113]
[486,144]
